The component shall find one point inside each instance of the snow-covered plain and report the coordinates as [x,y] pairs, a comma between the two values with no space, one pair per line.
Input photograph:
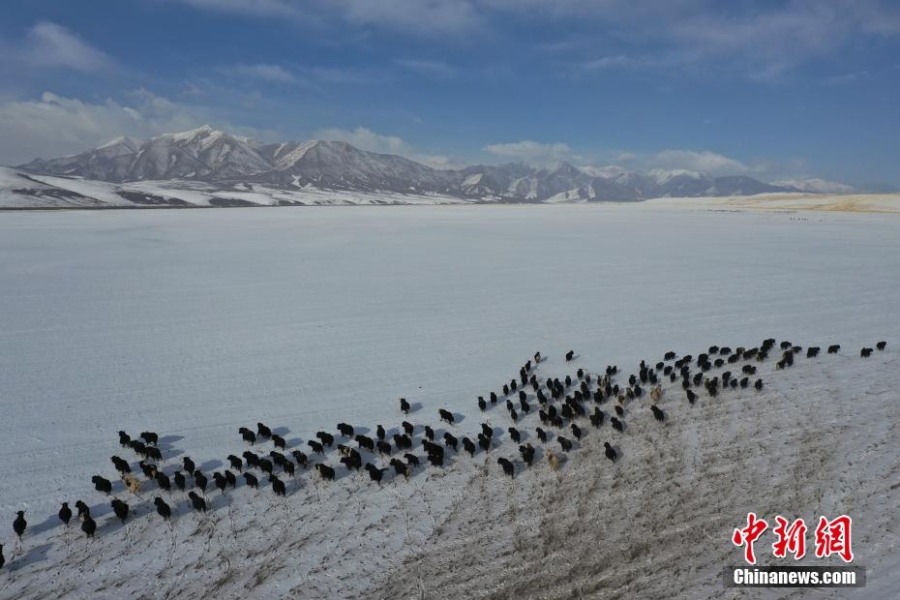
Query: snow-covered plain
[193,323]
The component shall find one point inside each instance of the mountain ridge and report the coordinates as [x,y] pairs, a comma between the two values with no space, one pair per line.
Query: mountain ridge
[210,156]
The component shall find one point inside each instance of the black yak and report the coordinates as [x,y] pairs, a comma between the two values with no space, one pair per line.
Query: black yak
[327,438]
[20,523]
[450,441]
[89,526]
[277,486]
[325,471]
[198,503]
[248,435]
[375,474]
[101,484]
[252,459]
[220,482]
[300,458]
[610,452]
[162,480]
[446,415]
[527,452]
[120,465]
[163,509]
[65,513]
[120,509]
[235,462]
[200,480]
[400,468]
[514,435]
[576,431]
[469,446]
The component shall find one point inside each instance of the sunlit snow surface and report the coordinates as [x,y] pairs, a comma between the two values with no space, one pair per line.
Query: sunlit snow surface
[194,323]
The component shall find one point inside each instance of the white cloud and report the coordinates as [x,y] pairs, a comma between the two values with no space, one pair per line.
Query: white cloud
[54,126]
[762,43]
[703,161]
[366,139]
[715,164]
[50,45]
[533,152]
[436,69]
[416,17]
[265,72]
[845,78]
[619,61]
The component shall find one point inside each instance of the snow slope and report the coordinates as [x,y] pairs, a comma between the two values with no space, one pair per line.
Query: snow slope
[871,203]
[193,323]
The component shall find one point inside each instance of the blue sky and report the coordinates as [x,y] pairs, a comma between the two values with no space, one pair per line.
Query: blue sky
[769,89]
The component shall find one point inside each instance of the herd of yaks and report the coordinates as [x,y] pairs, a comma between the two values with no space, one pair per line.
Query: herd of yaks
[560,403]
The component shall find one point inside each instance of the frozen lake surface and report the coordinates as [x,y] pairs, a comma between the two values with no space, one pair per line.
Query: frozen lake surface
[192,323]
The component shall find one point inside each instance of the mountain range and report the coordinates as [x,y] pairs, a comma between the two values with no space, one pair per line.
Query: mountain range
[215,161]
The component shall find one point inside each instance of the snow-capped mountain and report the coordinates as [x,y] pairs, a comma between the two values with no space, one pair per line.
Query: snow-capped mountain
[216,160]
[203,154]
[816,186]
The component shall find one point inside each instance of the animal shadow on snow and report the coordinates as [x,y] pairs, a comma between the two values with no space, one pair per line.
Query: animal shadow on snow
[169,453]
[210,465]
[166,442]
[282,431]
[415,407]
[46,525]
[620,454]
[31,556]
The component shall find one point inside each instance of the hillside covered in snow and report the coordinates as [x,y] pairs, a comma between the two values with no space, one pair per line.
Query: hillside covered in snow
[207,167]
[193,325]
